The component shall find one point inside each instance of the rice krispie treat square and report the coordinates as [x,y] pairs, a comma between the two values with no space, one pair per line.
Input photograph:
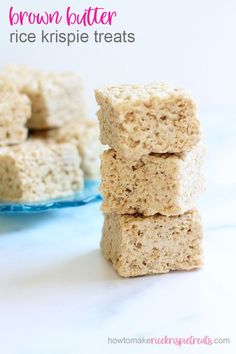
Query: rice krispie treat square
[15,110]
[56,98]
[35,171]
[138,245]
[168,184]
[136,120]
[85,135]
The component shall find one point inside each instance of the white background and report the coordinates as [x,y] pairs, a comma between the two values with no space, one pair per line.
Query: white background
[57,293]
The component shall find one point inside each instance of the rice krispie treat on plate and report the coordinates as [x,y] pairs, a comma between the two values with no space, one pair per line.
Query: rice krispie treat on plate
[137,120]
[36,171]
[15,110]
[138,245]
[56,98]
[85,135]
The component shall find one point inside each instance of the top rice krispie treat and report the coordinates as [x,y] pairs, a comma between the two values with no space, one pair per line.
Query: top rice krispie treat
[137,120]
[56,97]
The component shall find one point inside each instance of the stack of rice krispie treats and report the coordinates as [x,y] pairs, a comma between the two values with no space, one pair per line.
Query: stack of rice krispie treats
[151,179]
[45,140]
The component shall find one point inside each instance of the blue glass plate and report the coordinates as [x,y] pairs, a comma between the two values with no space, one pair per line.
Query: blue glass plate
[90,194]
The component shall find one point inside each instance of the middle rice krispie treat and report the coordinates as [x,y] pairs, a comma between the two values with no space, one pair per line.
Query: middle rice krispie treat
[35,171]
[168,184]
[56,98]
[137,120]
[15,110]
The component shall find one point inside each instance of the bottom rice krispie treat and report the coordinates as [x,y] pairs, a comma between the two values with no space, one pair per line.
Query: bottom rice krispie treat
[35,171]
[138,245]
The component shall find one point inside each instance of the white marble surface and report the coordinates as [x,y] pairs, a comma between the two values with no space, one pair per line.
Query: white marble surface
[58,295]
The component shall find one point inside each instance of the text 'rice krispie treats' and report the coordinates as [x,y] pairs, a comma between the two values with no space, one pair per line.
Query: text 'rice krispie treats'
[56,98]
[85,135]
[138,245]
[168,184]
[137,120]
[36,171]
[15,110]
